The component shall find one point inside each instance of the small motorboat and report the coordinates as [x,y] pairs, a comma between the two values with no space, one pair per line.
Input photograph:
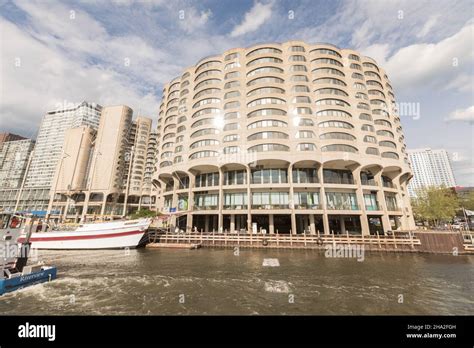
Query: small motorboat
[14,271]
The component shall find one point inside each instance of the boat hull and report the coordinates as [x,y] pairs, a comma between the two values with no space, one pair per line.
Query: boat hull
[93,236]
[46,274]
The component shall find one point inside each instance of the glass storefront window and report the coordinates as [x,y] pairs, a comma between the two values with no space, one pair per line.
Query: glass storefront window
[341,201]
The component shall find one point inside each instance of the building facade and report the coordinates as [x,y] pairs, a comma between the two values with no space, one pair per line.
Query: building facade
[286,138]
[50,140]
[4,137]
[14,156]
[14,159]
[430,168]
[101,170]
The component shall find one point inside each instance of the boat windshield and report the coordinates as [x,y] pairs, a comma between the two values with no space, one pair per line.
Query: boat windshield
[9,221]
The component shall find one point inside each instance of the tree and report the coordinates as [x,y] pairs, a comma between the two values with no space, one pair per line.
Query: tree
[435,204]
[143,213]
[467,201]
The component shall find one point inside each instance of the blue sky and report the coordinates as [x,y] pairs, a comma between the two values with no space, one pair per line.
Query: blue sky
[122,52]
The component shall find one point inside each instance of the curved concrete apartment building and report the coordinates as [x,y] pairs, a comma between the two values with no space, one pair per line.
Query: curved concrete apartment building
[285,138]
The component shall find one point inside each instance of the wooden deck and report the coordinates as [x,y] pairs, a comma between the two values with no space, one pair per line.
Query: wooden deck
[405,242]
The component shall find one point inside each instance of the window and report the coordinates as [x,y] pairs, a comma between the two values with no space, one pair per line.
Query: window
[236,200]
[206,91]
[305,122]
[206,111]
[354,57]
[268,147]
[297,58]
[265,101]
[205,142]
[355,66]
[269,176]
[337,102]
[294,68]
[264,60]
[207,73]
[207,65]
[206,82]
[204,131]
[337,135]
[304,134]
[231,56]
[339,147]
[265,69]
[231,105]
[231,115]
[392,155]
[306,200]
[301,99]
[328,71]
[388,144]
[202,154]
[268,135]
[266,90]
[231,75]
[206,201]
[341,201]
[385,133]
[264,50]
[267,123]
[265,80]
[297,49]
[206,101]
[232,84]
[270,199]
[336,124]
[338,113]
[231,149]
[370,139]
[372,151]
[367,128]
[306,147]
[325,51]
[298,78]
[231,126]
[235,177]
[305,176]
[334,91]
[230,137]
[330,81]
[232,65]
[326,61]
[233,94]
[383,123]
[391,201]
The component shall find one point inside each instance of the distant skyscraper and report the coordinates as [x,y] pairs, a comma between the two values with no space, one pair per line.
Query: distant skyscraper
[9,137]
[50,140]
[430,168]
[14,156]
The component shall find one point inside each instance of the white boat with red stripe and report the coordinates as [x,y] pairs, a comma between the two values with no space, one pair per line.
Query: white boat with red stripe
[105,235]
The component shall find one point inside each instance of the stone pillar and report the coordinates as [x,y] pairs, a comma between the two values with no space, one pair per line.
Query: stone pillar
[364,222]
[271,226]
[312,226]
[322,200]
[174,201]
[232,223]
[189,215]
[206,223]
[85,206]
[220,218]
[292,199]
[249,200]
[104,202]
[342,223]
[382,204]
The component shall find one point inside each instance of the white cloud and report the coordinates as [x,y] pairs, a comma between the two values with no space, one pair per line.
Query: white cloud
[379,52]
[435,64]
[253,19]
[193,20]
[465,115]
[428,26]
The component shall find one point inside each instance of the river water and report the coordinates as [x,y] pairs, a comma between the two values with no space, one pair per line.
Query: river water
[222,281]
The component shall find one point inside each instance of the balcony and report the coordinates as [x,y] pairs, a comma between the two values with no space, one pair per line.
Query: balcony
[388,184]
[236,207]
[368,182]
[343,206]
[205,207]
[309,206]
[344,181]
[270,206]
[372,207]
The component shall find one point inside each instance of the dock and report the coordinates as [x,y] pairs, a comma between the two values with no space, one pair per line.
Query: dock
[397,241]
[189,246]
